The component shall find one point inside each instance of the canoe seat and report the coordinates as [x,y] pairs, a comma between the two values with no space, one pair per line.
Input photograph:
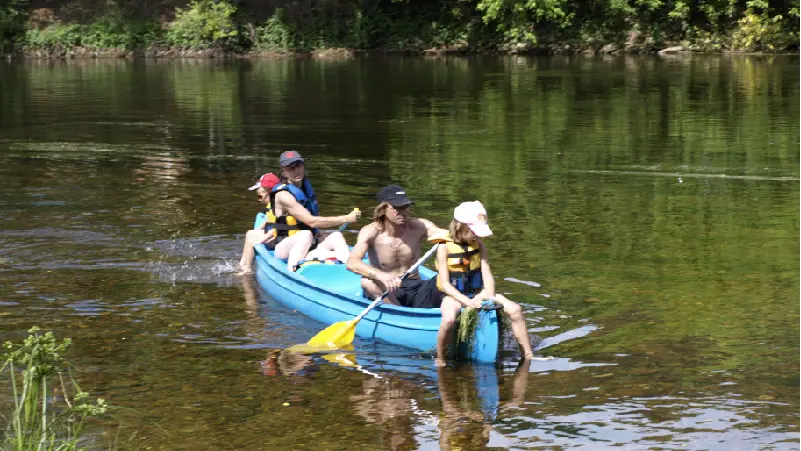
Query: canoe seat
[334,278]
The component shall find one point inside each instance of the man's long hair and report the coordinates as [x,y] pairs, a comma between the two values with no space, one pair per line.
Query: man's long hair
[380,215]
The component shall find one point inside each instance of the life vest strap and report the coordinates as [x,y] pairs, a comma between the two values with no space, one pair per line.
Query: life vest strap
[465,254]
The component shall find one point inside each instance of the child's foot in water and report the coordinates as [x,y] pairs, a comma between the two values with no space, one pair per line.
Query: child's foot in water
[530,356]
[244,271]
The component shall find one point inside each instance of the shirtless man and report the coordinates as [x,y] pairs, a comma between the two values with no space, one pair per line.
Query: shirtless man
[392,243]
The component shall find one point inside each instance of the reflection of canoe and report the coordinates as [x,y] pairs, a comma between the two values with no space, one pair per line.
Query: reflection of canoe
[477,383]
[331,293]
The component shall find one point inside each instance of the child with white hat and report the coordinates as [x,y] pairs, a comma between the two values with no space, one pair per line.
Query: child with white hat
[466,279]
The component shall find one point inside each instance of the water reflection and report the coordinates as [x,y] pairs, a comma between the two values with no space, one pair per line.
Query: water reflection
[286,363]
[387,402]
[462,424]
[671,308]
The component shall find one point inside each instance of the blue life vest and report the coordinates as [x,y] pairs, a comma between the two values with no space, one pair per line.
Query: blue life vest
[288,225]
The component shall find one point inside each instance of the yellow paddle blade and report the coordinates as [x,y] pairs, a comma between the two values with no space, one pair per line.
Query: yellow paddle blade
[342,359]
[308,349]
[335,336]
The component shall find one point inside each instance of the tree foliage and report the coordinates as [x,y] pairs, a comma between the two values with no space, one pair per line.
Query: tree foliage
[518,25]
[12,23]
[204,24]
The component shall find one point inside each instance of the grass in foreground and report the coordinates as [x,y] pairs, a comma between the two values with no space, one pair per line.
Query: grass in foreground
[50,410]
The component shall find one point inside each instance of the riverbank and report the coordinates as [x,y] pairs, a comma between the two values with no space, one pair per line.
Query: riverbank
[346,54]
[218,28]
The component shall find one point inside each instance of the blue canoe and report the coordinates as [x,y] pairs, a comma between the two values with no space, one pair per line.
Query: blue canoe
[330,293]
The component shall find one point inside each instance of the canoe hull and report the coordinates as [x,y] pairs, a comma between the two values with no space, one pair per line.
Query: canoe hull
[331,293]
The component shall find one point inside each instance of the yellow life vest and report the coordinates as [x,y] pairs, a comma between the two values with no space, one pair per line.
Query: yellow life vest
[464,267]
[269,223]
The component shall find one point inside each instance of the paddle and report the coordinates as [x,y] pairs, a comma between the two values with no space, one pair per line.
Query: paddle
[343,332]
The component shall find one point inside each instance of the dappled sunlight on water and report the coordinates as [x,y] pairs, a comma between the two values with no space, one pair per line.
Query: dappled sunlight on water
[645,214]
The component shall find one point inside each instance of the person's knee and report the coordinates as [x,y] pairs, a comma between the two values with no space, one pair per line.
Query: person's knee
[448,321]
[367,284]
[370,288]
[334,241]
[304,236]
[449,312]
[513,309]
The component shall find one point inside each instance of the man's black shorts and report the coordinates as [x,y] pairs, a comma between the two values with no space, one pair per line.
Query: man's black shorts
[418,293]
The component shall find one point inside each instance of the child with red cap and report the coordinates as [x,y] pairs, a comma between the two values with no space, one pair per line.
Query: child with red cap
[258,235]
[464,275]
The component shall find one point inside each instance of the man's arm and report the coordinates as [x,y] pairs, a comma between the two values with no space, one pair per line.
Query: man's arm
[431,228]
[355,263]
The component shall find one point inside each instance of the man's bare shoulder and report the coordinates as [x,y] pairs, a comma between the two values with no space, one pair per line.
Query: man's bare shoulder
[425,227]
[369,232]
[418,224]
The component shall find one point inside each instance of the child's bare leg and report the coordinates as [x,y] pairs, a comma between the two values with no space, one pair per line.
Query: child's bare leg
[252,237]
[450,310]
[519,329]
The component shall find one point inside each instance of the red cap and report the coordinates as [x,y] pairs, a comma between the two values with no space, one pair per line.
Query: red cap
[267,181]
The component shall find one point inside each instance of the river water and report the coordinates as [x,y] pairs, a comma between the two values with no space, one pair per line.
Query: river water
[646,214]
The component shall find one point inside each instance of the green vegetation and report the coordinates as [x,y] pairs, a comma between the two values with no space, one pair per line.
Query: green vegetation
[12,23]
[43,418]
[416,25]
[467,322]
[204,24]
[115,30]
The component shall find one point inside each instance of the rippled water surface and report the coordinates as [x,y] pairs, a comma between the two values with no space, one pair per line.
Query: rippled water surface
[646,214]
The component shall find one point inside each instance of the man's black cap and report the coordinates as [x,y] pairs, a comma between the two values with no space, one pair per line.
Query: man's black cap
[395,195]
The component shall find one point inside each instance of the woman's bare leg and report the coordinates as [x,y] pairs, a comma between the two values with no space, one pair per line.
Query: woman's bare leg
[294,248]
[519,329]
[335,242]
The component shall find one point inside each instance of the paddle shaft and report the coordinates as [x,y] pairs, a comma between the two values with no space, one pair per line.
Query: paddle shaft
[403,277]
[345,225]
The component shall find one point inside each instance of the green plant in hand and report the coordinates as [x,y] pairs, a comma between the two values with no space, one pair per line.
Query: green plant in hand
[38,422]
